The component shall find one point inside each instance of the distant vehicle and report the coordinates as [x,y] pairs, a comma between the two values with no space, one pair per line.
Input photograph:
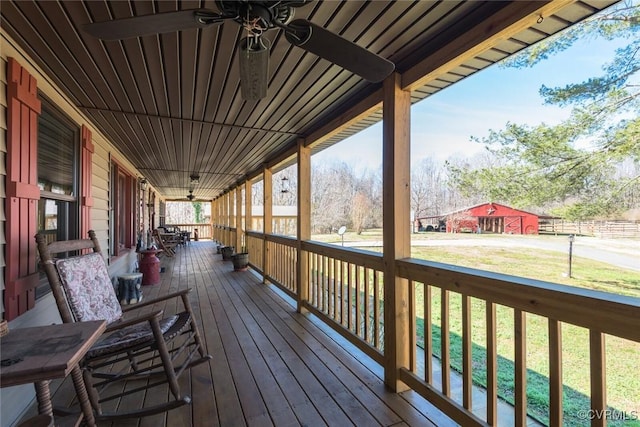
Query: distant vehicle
[442,227]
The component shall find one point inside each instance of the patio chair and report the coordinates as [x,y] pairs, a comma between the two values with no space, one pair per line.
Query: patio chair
[149,346]
[166,241]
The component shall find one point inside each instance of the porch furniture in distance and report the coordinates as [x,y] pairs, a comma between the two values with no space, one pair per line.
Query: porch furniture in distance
[144,347]
[166,241]
[44,353]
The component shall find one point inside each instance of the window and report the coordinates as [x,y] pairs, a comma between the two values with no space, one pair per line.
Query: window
[58,171]
[123,185]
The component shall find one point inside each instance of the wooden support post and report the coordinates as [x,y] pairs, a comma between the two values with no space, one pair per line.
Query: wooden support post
[304,221]
[267,220]
[239,230]
[227,218]
[248,218]
[214,221]
[396,228]
[219,218]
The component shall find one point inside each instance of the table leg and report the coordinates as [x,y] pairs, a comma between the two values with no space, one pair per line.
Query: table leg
[43,395]
[83,397]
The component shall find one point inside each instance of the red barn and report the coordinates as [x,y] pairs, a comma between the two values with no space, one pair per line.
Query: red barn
[492,218]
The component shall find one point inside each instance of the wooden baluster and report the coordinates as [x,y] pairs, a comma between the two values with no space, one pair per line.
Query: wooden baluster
[520,329]
[467,381]
[555,373]
[428,335]
[413,365]
[444,342]
[598,379]
[492,365]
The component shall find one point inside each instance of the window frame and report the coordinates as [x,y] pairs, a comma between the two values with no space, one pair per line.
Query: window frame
[71,226]
[123,209]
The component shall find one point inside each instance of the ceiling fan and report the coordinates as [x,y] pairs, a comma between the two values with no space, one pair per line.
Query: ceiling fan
[255,17]
[190,196]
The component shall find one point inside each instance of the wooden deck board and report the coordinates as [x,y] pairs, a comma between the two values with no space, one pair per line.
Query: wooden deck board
[271,365]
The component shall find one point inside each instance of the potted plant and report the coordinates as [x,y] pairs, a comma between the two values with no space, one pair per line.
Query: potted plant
[240,260]
[227,252]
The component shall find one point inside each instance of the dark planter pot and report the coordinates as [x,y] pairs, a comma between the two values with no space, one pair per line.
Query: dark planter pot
[219,249]
[240,261]
[227,252]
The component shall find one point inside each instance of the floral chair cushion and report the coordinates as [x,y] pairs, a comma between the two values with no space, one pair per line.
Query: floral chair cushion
[88,288]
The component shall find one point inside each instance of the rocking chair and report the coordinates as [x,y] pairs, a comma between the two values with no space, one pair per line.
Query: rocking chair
[166,241]
[151,347]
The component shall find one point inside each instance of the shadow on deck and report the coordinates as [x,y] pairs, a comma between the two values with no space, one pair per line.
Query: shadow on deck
[271,365]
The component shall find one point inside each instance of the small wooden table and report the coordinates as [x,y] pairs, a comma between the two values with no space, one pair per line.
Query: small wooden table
[38,355]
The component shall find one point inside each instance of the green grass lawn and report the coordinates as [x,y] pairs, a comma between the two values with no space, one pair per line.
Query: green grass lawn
[622,356]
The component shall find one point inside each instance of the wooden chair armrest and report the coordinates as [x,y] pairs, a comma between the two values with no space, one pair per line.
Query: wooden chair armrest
[155,300]
[144,318]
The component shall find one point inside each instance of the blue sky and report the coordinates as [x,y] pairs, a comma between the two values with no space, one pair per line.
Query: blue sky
[442,124]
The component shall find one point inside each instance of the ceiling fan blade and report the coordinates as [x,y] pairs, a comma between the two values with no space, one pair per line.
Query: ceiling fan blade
[166,22]
[338,50]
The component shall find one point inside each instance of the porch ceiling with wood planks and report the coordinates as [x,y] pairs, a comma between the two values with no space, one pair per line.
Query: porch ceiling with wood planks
[171,103]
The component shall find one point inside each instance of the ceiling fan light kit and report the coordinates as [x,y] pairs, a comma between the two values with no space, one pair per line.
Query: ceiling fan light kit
[256,17]
[254,67]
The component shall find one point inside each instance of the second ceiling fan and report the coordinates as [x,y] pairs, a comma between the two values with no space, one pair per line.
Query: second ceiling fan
[255,17]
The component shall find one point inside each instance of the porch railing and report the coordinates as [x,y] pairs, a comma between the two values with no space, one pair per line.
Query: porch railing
[204,230]
[600,313]
[282,259]
[256,250]
[345,290]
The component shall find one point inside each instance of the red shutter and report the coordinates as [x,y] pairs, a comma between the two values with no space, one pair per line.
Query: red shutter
[86,201]
[23,109]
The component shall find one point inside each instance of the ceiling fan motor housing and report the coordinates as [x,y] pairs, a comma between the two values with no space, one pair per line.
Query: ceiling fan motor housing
[258,16]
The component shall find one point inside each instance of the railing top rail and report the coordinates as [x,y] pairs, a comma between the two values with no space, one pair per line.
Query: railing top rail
[282,239]
[613,314]
[224,227]
[362,257]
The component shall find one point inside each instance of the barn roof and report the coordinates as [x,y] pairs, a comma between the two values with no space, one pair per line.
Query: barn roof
[480,205]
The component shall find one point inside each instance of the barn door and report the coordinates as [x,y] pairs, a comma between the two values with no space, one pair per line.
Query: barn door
[23,109]
[513,225]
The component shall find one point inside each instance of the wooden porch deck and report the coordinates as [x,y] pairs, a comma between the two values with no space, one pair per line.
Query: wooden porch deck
[271,365]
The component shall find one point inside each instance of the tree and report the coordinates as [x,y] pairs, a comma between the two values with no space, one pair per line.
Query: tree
[360,210]
[430,193]
[545,165]
[197,209]
[332,191]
